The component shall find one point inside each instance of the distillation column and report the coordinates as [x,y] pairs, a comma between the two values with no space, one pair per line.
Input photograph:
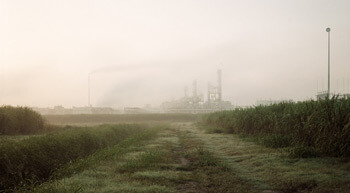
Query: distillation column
[194,89]
[219,87]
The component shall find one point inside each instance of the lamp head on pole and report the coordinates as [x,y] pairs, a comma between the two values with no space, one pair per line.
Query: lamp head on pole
[328,29]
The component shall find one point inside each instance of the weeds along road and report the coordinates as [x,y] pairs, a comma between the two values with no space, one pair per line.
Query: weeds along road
[182,158]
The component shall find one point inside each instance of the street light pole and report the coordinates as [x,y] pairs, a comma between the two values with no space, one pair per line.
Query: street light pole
[329,59]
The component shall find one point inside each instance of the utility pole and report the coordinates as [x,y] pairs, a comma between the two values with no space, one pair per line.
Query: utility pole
[329,60]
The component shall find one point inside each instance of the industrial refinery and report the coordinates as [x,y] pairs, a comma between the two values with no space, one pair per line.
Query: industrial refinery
[193,103]
[196,102]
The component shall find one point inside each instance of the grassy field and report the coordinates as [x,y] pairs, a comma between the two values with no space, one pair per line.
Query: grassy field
[119,118]
[182,158]
[164,154]
[171,162]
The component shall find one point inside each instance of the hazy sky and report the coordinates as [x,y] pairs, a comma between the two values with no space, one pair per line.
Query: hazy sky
[146,51]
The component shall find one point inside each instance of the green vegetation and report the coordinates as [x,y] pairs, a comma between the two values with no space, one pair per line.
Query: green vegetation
[20,120]
[96,171]
[181,158]
[35,159]
[146,166]
[209,172]
[272,170]
[119,118]
[172,162]
[310,128]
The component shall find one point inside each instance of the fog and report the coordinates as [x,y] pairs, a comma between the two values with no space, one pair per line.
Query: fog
[140,52]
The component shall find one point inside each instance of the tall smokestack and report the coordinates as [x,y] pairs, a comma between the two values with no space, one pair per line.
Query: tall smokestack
[209,88]
[89,104]
[219,86]
[194,88]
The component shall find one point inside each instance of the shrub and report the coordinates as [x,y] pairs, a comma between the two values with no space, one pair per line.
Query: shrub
[20,120]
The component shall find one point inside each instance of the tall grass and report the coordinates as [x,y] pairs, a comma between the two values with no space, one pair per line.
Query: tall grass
[35,159]
[322,126]
[20,120]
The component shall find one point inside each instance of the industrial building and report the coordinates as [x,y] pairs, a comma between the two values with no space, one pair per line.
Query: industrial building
[324,94]
[196,103]
[60,110]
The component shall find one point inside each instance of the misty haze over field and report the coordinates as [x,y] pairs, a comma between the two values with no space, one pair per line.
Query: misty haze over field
[145,52]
